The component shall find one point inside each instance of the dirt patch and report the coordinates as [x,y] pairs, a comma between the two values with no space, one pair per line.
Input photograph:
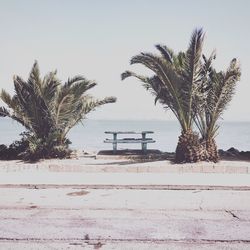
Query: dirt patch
[79,193]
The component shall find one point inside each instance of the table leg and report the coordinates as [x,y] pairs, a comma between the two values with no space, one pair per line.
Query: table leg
[143,136]
[114,143]
[144,145]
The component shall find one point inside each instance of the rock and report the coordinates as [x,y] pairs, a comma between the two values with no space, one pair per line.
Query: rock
[233,151]
[245,154]
[3,147]
[222,152]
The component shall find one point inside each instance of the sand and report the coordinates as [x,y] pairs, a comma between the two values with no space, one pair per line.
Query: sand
[114,164]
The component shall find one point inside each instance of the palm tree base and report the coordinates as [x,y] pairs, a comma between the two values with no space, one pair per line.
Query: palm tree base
[189,148]
[211,151]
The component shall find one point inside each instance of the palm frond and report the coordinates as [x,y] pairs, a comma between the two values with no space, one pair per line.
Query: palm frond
[7,99]
[93,104]
[193,71]
[85,106]
[34,79]
[224,87]
[169,81]
[33,107]
[79,88]
[166,53]
[220,90]
[4,112]
[50,84]
[79,80]
[156,88]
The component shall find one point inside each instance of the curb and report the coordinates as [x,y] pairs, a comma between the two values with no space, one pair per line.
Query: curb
[132,187]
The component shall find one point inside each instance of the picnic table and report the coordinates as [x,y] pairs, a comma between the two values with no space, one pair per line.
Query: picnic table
[143,140]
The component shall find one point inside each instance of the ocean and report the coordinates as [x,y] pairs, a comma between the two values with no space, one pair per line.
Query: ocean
[89,136]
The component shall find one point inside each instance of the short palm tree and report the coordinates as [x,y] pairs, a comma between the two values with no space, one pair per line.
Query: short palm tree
[177,84]
[220,90]
[48,109]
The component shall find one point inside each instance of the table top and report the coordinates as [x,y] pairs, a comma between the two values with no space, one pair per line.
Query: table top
[128,132]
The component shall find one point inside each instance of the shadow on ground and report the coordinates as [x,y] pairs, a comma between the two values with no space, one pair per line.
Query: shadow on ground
[130,156]
[137,156]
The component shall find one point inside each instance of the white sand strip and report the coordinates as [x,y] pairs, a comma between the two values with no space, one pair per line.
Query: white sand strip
[91,165]
[17,178]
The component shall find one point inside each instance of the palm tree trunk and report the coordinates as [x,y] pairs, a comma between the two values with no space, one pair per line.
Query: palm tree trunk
[189,148]
[211,150]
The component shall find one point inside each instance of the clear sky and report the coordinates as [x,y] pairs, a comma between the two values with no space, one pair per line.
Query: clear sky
[98,38]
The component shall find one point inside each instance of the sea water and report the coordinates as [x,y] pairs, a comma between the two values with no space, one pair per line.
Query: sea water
[90,135]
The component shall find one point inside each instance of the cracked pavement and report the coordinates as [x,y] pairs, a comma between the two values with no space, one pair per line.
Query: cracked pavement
[97,218]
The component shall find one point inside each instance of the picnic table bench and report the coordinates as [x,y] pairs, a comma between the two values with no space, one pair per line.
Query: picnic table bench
[142,140]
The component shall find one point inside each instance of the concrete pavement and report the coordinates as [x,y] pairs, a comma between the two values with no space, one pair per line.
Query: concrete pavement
[76,218]
[119,205]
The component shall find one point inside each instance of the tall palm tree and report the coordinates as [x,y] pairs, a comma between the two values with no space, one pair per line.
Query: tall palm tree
[48,109]
[220,90]
[177,84]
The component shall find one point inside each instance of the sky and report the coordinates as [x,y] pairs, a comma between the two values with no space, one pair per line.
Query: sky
[97,39]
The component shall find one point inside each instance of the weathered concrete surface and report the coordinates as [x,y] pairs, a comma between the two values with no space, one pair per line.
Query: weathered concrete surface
[122,245]
[73,218]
